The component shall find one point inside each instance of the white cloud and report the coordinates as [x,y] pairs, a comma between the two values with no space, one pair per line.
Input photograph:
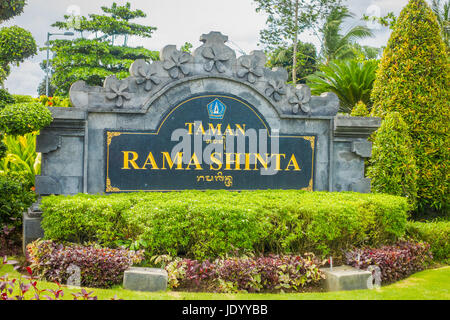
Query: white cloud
[178,21]
[25,79]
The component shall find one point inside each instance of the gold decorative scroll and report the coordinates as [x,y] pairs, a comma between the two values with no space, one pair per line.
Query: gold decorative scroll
[311,140]
[112,135]
[109,187]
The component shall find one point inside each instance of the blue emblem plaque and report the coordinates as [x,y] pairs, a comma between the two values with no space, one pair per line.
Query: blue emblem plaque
[216,109]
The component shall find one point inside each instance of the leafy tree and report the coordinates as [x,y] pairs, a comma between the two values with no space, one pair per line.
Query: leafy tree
[92,60]
[393,167]
[414,80]
[366,52]
[287,19]
[388,20]
[351,80]
[306,60]
[187,47]
[10,9]
[16,44]
[5,98]
[340,46]
[442,12]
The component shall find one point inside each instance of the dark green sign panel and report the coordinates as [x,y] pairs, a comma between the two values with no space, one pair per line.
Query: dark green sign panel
[212,141]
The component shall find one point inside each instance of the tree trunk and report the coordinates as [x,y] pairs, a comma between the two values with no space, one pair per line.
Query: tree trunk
[294,62]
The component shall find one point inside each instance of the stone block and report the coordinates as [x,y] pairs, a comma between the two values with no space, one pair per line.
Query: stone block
[362,186]
[145,279]
[32,229]
[346,278]
[46,185]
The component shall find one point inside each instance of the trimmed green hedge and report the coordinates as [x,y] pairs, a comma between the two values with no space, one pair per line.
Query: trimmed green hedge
[22,118]
[437,234]
[213,223]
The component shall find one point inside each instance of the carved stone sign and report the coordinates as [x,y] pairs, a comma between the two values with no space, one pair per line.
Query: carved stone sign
[202,120]
[180,123]
[209,141]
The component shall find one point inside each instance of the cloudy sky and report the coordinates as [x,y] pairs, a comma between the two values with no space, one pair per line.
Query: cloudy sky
[178,21]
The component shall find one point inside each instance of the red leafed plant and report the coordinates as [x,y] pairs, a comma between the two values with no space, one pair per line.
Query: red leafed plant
[251,274]
[16,289]
[99,267]
[395,262]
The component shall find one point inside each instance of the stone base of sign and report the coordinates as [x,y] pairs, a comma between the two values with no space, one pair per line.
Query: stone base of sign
[346,278]
[145,279]
[32,229]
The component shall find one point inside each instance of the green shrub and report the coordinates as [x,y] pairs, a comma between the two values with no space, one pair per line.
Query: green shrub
[360,110]
[414,80]
[392,166]
[15,198]
[18,98]
[3,147]
[5,98]
[437,234]
[20,119]
[21,156]
[214,223]
[56,101]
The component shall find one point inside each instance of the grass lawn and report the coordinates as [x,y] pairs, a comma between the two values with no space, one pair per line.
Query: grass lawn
[432,284]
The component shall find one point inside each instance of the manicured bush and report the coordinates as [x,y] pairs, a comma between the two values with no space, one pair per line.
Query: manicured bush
[15,198]
[100,267]
[395,262]
[18,98]
[393,167]
[20,119]
[5,98]
[258,274]
[360,110]
[436,233]
[414,80]
[210,224]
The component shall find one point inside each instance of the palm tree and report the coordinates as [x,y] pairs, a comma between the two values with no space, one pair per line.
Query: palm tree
[443,17]
[351,80]
[338,46]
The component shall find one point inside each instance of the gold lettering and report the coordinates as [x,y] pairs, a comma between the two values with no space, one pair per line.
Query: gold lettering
[215,131]
[278,160]
[200,130]
[239,128]
[229,131]
[229,161]
[194,161]
[190,125]
[247,162]
[150,160]
[293,163]
[179,160]
[127,161]
[261,160]
[216,161]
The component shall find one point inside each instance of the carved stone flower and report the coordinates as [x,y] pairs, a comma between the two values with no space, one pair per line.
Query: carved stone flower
[176,63]
[251,69]
[215,58]
[147,76]
[276,89]
[301,99]
[117,91]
